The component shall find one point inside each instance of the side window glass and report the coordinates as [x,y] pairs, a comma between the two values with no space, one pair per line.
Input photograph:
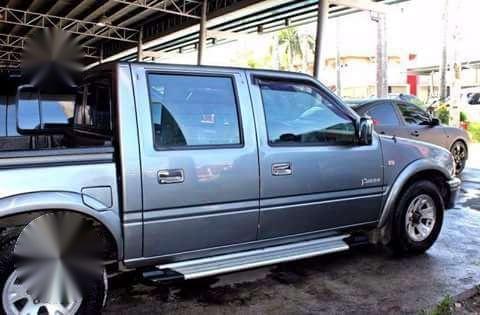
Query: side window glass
[474,99]
[12,117]
[383,115]
[3,116]
[193,111]
[413,115]
[297,114]
[94,107]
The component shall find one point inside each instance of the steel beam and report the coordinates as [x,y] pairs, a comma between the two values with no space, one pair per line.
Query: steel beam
[12,41]
[177,7]
[202,41]
[18,42]
[366,5]
[10,55]
[39,20]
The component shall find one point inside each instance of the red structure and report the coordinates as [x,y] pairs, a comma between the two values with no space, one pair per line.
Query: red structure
[412,80]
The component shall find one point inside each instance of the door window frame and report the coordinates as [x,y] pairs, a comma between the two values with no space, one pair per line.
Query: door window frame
[397,104]
[241,143]
[257,79]
[396,111]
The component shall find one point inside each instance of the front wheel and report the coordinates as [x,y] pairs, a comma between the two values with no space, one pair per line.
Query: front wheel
[418,219]
[48,267]
[460,154]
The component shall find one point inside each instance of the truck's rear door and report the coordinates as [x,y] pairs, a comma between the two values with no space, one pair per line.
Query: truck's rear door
[199,158]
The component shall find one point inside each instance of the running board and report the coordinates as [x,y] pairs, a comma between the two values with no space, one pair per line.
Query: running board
[210,266]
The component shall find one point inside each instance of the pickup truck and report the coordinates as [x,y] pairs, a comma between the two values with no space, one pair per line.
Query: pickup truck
[182,172]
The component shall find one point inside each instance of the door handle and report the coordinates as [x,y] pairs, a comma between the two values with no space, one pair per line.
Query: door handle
[281,169]
[173,176]
[415,133]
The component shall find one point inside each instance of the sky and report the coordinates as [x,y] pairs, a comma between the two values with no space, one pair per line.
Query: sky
[412,27]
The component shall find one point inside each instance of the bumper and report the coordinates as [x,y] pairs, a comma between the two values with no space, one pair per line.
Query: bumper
[454,185]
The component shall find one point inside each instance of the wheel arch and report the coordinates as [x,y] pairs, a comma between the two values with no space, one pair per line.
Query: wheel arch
[419,169]
[20,209]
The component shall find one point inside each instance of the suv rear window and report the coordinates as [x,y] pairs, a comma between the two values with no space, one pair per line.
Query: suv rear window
[189,111]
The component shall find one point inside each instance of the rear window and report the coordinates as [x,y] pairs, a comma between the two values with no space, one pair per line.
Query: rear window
[189,111]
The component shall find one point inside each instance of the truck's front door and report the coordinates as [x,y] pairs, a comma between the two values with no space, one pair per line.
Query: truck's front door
[199,168]
[313,176]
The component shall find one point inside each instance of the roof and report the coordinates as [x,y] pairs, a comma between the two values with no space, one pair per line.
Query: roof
[107,27]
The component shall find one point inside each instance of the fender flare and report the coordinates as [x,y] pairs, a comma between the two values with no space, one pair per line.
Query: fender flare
[405,175]
[67,201]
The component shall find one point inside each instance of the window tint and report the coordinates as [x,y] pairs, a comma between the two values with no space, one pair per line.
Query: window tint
[413,115]
[193,110]
[94,111]
[383,115]
[299,114]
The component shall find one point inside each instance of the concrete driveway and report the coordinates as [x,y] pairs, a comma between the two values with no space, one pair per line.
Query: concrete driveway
[368,280]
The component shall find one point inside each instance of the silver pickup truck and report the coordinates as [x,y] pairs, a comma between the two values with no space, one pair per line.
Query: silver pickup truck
[183,172]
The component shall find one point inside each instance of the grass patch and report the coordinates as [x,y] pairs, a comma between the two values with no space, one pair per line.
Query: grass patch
[474,129]
[445,307]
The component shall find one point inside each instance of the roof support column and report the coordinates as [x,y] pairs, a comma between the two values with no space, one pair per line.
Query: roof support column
[319,40]
[382,57]
[140,45]
[203,33]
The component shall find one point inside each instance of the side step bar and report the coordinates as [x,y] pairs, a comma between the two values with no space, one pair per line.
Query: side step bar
[209,266]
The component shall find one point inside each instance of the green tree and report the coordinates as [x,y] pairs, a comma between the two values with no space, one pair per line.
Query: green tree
[291,47]
[294,48]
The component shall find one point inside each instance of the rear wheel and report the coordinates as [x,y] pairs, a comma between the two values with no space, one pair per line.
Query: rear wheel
[418,218]
[460,154]
[50,267]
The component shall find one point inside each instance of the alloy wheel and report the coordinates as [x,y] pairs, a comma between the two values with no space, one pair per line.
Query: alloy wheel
[420,218]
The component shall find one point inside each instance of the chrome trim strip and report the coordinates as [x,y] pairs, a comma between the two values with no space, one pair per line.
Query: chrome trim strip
[56,159]
[319,202]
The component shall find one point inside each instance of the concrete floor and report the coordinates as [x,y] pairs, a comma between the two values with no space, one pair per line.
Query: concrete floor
[368,280]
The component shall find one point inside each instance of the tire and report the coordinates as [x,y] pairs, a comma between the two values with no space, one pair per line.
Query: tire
[414,231]
[91,285]
[459,151]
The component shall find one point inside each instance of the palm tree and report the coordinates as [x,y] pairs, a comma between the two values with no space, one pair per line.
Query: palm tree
[294,47]
[289,41]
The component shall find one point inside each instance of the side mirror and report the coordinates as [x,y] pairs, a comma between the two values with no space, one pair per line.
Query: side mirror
[365,130]
[434,122]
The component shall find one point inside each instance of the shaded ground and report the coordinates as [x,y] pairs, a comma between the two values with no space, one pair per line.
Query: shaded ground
[368,280]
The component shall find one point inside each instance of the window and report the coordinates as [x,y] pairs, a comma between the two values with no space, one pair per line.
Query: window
[413,115]
[94,109]
[474,99]
[297,114]
[3,116]
[193,111]
[383,115]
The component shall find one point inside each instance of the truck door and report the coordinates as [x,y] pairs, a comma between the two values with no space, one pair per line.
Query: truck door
[199,159]
[313,176]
